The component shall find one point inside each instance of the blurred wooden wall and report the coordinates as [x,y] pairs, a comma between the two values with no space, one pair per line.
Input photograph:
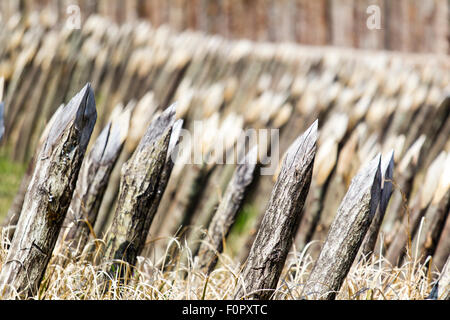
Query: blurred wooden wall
[406,25]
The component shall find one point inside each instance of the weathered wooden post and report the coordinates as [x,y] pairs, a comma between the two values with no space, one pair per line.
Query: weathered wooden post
[164,179]
[346,233]
[48,197]
[226,213]
[280,223]
[140,190]
[16,208]
[92,181]
[387,170]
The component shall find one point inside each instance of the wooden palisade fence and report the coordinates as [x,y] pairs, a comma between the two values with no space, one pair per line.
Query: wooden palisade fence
[129,190]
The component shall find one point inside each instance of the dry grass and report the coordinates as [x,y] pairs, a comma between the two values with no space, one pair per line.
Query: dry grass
[370,279]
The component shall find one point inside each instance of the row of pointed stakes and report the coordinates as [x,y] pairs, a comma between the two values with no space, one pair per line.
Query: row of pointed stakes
[198,78]
[144,179]
[333,22]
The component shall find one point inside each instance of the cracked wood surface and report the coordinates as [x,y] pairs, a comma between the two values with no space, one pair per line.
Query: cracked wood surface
[139,191]
[281,220]
[226,213]
[48,196]
[346,233]
[92,181]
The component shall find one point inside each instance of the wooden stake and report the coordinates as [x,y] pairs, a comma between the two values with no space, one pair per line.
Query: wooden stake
[346,233]
[48,196]
[280,223]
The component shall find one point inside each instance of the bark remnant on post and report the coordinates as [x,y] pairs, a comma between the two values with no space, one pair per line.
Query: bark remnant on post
[346,233]
[281,220]
[48,197]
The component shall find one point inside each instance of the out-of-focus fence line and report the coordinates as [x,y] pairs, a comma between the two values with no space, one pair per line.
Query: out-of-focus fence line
[405,25]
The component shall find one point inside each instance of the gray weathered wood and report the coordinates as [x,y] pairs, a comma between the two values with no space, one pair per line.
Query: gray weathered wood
[281,220]
[48,196]
[387,170]
[346,233]
[92,181]
[164,179]
[138,191]
[16,207]
[226,213]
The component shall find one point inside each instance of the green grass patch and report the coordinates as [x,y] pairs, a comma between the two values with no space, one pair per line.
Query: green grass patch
[242,228]
[10,176]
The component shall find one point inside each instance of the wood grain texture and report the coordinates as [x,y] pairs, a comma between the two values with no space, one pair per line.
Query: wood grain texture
[12,218]
[141,176]
[92,181]
[165,176]
[346,233]
[226,213]
[48,197]
[268,254]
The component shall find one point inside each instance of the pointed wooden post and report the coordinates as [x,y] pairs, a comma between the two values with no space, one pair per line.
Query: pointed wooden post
[139,189]
[346,234]
[226,213]
[92,181]
[165,176]
[387,170]
[281,220]
[48,196]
